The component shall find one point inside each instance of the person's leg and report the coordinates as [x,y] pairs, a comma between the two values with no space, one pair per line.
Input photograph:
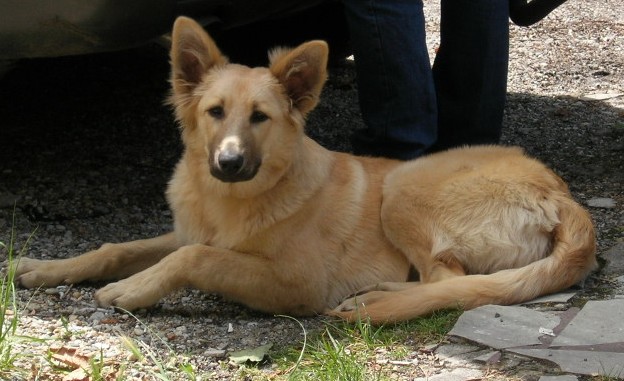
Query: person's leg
[395,83]
[470,71]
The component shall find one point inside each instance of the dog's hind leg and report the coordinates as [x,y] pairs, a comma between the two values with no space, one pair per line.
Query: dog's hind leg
[111,261]
[391,293]
[436,270]
[386,286]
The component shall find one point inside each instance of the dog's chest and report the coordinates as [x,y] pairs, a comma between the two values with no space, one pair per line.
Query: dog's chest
[218,224]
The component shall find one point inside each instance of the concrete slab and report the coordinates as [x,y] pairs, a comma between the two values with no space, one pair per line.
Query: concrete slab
[619,287]
[615,260]
[461,355]
[560,297]
[589,341]
[491,357]
[565,377]
[458,374]
[456,350]
[580,362]
[601,202]
[598,323]
[504,326]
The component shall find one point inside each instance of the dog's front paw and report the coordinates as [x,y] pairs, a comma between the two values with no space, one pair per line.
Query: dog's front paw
[132,293]
[31,273]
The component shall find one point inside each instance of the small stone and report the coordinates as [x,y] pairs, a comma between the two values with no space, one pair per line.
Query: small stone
[601,202]
[400,362]
[96,316]
[211,352]
[430,348]
[138,331]
[52,291]
[83,311]
[8,200]
[546,331]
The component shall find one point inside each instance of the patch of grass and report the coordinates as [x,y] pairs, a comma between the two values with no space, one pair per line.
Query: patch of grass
[433,328]
[362,351]
[334,358]
[9,314]
[166,366]
[12,345]
[605,378]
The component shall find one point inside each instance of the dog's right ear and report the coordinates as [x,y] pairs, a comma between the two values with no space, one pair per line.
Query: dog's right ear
[193,54]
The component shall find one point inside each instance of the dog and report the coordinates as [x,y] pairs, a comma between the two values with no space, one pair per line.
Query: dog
[265,216]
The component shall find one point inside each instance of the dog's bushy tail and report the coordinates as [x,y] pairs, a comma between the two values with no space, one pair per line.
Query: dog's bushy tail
[572,258]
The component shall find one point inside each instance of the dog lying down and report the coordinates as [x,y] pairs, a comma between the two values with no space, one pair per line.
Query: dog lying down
[269,218]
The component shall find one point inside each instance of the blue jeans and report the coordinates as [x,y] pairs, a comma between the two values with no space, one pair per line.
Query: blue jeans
[410,108]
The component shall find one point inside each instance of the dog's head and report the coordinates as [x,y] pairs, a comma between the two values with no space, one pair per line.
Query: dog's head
[243,123]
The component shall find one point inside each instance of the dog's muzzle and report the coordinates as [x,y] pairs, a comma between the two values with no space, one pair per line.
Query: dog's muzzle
[231,167]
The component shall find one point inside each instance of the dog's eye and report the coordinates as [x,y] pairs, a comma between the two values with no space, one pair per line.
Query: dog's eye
[216,112]
[258,117]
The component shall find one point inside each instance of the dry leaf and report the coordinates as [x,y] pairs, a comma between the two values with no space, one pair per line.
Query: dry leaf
[77,375]
[109,320]
[253,355]
[70,357]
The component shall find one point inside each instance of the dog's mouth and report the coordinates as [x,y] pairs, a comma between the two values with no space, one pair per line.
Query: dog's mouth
[234,168]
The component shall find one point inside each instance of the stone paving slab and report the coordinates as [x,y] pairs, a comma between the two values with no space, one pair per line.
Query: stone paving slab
[589,341]
[503,327]
[600,322]
[580,362]
[457,374]
[615,260]
[561,297]
[567,377]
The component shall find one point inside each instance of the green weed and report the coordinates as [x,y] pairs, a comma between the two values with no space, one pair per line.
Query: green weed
[345,351]
[165,366]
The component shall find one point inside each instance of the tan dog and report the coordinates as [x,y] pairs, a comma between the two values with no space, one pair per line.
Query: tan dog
[267,217]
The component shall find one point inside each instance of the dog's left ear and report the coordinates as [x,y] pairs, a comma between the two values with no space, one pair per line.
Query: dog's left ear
[302,71]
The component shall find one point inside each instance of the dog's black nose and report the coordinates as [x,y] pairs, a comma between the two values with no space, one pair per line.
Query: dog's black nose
[230,163]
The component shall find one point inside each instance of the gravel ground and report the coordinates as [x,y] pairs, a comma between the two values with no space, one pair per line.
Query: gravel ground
[87,149]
